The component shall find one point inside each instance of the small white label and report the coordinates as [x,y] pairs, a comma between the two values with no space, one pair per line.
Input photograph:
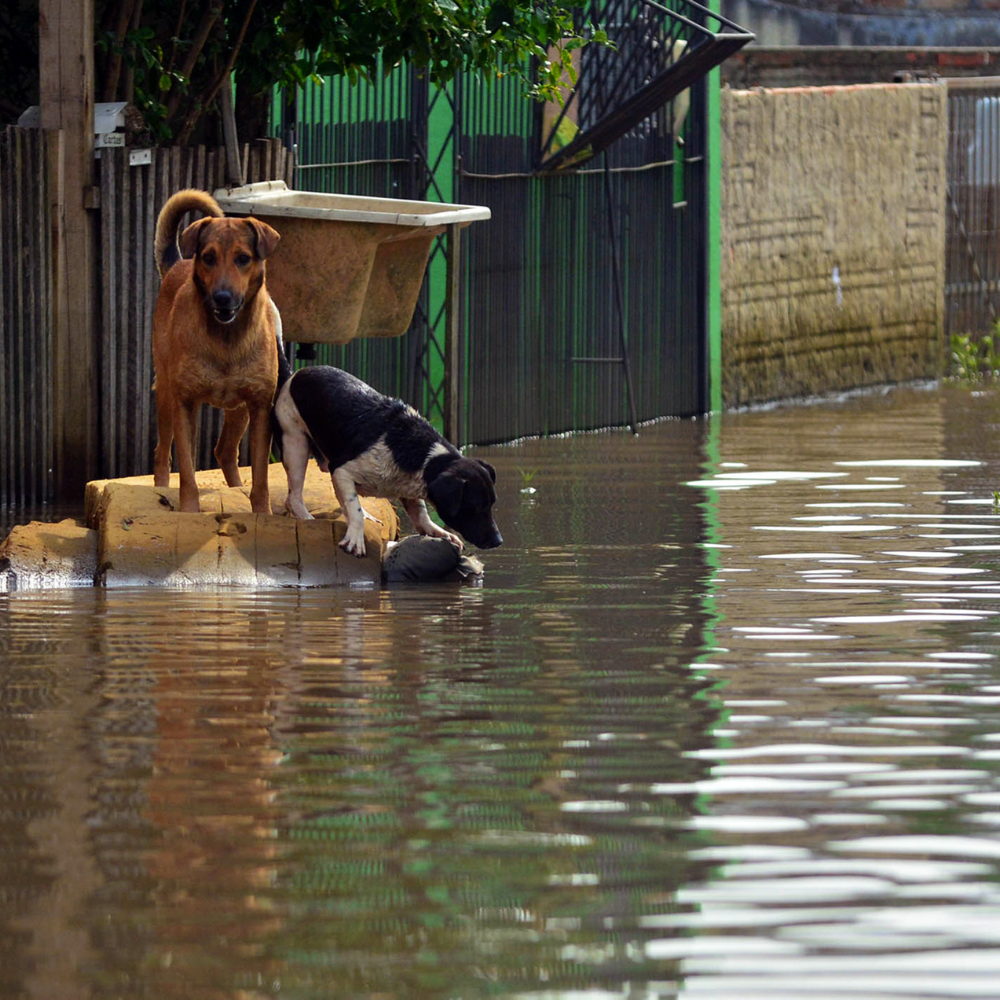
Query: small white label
[108,139]
[140,157]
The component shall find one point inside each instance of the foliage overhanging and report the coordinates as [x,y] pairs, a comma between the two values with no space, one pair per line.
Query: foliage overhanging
[171,58]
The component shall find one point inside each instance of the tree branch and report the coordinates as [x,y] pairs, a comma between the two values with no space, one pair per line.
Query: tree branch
[128,90]
[115,64]
[177,33]
[224,76]
[204,29]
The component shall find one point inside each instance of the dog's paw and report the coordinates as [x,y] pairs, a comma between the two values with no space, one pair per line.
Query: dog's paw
[353,544]
[298,511]
[434,531]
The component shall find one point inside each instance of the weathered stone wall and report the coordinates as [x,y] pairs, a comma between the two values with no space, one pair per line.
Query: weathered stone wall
[832,238]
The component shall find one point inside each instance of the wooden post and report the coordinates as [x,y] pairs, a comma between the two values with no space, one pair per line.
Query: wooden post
[452,332]
[234,169]
[66,70]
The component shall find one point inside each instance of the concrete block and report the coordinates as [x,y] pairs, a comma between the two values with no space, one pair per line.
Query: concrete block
[39,556]
[196,551]
[277,550]
[237,537]
[136,551]
[135,536]
[318,553]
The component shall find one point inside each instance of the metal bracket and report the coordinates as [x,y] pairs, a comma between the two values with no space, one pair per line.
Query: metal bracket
[658,53]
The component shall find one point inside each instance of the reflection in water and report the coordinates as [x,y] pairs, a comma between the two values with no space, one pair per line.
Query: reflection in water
[423,791]
[856,637]
[723,721]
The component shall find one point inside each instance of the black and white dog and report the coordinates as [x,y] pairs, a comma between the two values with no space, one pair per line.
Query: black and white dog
[374,445]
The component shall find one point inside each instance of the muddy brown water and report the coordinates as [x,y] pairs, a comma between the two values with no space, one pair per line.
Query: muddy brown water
[723,721]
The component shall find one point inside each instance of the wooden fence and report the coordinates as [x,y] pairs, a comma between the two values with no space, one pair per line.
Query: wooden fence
[131,195]
[26,280]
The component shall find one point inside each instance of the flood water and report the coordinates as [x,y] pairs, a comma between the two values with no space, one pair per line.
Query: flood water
[723,722]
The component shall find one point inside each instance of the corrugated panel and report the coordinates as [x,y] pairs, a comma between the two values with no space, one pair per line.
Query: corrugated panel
[26,283]
[972,266]
[543,342]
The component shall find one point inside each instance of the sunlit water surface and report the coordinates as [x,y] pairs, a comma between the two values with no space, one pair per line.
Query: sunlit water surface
[722,722]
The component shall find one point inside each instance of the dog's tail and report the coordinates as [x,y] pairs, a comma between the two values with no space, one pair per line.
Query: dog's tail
[167,250]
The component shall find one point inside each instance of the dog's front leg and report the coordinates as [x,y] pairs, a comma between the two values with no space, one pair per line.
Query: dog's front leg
[165,438]
[260,452]
[350,504]
[227,448]
[184,441]
[416,510]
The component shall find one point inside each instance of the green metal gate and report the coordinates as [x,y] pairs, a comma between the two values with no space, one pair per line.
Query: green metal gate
[583,301]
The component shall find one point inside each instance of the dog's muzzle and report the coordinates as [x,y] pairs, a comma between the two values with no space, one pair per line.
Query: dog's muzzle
[493,541]
[225,306]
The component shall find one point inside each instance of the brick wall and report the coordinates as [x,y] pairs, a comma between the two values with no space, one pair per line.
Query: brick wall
[832,238]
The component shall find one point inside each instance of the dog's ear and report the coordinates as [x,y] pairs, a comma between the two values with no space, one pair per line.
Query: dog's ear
[264,236]
[489,468]
[190,239]
[445,493]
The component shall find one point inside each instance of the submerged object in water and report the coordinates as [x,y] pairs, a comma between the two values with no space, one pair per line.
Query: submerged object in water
[422,558]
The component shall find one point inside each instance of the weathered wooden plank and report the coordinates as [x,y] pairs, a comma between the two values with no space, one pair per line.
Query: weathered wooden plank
[145,436]
[6,269]
[35,470]
[267,153]
[110,283]
[8,262]
[22,318]
[132,303]
[66,74]
[43,256]
[25,327]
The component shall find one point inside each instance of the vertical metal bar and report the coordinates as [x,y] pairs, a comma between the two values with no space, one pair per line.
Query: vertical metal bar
[451,387]
[616,270]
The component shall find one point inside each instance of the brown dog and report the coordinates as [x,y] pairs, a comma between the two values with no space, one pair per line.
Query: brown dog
[214,341]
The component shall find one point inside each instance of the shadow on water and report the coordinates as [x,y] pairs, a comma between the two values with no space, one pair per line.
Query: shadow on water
[722,722]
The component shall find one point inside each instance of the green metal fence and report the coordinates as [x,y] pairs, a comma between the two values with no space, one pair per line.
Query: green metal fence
[583,299]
